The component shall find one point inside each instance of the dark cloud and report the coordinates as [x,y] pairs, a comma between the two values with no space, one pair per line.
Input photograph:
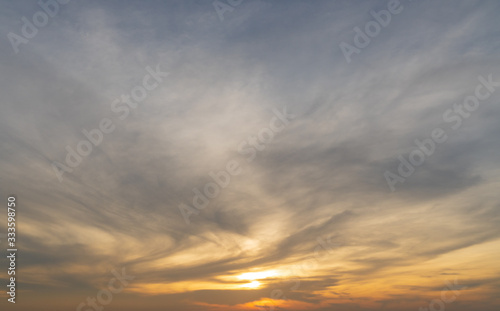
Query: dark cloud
[319,182]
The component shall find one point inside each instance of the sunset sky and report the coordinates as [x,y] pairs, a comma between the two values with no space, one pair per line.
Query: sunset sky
[240,155]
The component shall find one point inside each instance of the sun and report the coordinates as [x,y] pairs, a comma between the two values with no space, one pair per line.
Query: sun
[257,275]
[254,276]
[253,284]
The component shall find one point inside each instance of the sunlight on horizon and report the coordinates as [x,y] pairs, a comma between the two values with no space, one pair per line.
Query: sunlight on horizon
[253,284]
[257,275]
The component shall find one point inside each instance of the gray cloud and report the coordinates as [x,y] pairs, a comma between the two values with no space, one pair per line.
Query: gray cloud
[322,176]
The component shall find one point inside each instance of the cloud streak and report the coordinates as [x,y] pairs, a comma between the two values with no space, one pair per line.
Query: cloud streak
[321,177]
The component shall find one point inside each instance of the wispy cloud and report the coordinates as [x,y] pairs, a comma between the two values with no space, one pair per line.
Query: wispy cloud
[322,176]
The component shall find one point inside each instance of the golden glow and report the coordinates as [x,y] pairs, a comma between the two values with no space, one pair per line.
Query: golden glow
[253,284]
[257,275]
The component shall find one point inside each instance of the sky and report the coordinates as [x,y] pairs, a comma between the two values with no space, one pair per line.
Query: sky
[251,154]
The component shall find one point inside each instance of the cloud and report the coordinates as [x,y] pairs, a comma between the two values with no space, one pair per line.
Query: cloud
[319,178]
